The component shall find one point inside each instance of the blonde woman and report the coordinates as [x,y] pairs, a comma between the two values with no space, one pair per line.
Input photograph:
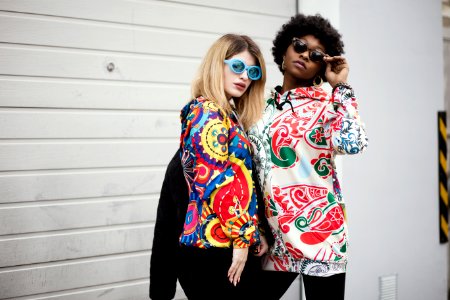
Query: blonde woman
[205,228]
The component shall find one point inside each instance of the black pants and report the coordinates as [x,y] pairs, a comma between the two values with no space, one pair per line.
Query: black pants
[203,274]
[274,284]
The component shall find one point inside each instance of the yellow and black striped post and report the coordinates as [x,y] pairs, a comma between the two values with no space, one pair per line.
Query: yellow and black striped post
[443,190]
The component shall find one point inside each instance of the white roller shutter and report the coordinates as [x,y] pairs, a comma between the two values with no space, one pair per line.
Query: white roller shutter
[90,93]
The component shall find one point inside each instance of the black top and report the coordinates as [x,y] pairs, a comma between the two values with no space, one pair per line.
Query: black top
[172,207]
[171,214]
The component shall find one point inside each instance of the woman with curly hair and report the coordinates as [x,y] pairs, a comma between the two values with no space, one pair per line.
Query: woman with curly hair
[302,129]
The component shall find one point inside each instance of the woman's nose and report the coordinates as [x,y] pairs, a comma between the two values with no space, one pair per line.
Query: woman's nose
[244,75]
[305,55]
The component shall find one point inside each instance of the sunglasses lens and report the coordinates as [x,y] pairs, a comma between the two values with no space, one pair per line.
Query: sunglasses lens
[237,66]
[299,46]
[316,56]
[254,73]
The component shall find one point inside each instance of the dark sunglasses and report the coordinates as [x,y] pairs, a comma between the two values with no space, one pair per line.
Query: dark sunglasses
[301,46]
[238,66]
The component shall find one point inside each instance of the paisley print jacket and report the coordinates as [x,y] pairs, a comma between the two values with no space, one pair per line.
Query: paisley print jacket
[217,163]
[295,145]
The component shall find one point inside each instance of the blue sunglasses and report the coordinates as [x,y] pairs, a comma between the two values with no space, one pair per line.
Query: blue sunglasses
[238,66]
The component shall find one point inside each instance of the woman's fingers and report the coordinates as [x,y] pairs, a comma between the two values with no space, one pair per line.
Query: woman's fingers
[337,69]
[263,247]
[339,59]
[237,265]
[336,63]
[236,276]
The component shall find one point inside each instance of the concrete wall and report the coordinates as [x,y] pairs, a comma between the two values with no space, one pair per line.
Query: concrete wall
[396,68]
[395,51]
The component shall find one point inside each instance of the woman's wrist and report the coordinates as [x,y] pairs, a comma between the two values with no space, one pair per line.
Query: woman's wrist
[341,84]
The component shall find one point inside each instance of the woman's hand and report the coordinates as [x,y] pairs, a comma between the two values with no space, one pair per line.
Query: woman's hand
[337,69]
[263,247]
[237,266]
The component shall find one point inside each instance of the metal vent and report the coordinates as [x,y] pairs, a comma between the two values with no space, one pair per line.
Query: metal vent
[388,287]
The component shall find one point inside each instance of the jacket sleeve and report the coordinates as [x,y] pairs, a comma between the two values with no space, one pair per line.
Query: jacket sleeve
[263,224]
[347,132]
[163,261]
[207,138]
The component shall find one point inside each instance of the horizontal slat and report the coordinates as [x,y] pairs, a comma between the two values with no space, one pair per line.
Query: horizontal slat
[56,123]
[43,92]
[54,185]
[83,34]
[50,277]
[283,8]
[130,290]
[154,13]
[72,244]
[54,31]
[48,62]
[84,154]
[133,290]
[60,215]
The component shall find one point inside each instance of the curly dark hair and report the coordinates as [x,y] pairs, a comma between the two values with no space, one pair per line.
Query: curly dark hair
[301,25]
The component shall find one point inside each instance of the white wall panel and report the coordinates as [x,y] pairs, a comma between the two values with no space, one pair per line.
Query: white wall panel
[69,184]
[129,290]
[69,93]
[155,13]
[69,214]
[71,154]
[47,62]
[50,62]
[72,244]
[83,149]
[276,8]
[56,276]
[85,34]
[54,123]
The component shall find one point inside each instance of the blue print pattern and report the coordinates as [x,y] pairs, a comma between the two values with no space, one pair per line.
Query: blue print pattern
[348,134]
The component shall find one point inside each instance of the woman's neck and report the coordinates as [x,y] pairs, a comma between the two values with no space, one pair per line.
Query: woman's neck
[290,83]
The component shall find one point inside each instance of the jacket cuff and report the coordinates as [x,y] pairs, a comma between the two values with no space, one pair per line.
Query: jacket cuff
[344,101]
[244,232]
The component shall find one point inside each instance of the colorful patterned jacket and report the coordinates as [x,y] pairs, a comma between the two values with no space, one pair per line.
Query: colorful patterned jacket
[295,145]
[222,210]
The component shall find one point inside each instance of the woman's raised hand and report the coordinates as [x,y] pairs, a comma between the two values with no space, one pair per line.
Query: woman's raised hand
[337,69]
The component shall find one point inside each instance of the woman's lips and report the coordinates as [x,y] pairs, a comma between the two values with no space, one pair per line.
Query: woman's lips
[300,64]
[240,86]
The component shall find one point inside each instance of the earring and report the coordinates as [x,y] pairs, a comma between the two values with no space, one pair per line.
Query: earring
[282,65]
[317,81]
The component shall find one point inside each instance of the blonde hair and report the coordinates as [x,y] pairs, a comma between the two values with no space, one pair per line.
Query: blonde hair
[209,80]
